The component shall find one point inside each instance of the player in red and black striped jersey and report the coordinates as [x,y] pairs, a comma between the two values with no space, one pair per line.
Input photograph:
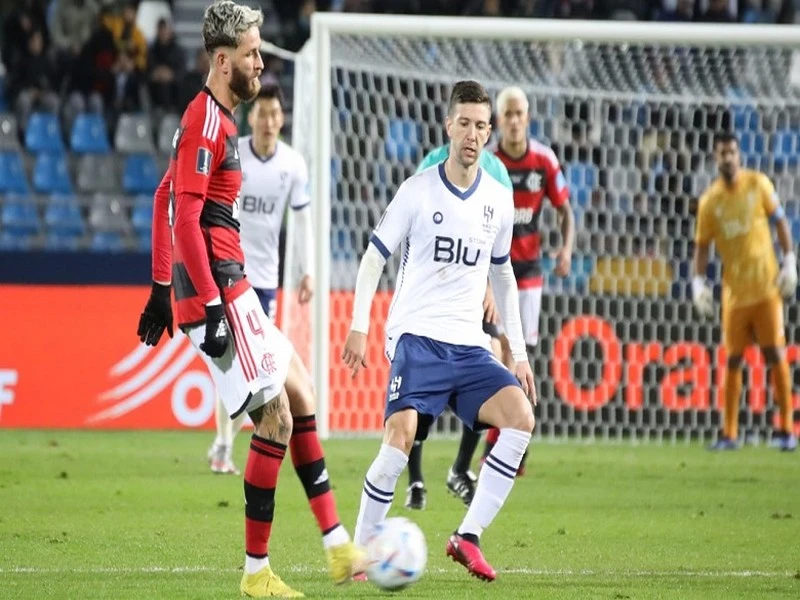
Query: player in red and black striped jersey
[254,367]
[536,175]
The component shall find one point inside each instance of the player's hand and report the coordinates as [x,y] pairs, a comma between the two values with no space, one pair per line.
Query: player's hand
[787,278]
[354,354]
[563,260]
[306,290]
[703,297]
[157,315]
[522,371]
[217,333]
[490,314]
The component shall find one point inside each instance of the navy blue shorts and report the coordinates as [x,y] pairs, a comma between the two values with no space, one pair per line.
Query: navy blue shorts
[428,376]
[269,302]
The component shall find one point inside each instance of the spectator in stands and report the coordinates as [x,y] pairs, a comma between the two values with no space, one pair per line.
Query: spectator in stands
[194,80]
[26,17]
[484,8]
[166,64]
[762,11]
[719,11]
[128,85]
[32,84]
[676,11]
[72,26]
[128,37]
[572,9]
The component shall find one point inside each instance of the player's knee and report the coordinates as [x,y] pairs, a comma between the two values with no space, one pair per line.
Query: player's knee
[273,420]
[523,418]
[401,429]
[735,361]
[772,355]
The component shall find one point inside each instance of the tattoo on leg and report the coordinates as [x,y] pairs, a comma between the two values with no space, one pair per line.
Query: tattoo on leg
[273,421]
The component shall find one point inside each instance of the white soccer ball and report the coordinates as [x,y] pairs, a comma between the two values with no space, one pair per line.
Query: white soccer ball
[396,554]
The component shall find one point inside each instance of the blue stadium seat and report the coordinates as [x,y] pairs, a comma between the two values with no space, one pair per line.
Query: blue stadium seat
[89,135]
[12,174]
[745,118]
[144,242]
[13,240]
[59,241]
[786,148]
[63,216]
[19,215]
[581,175]
[51,175]
[107,241]
[403,140]
[43,134]
[536,129]
[142,215]
[139,174]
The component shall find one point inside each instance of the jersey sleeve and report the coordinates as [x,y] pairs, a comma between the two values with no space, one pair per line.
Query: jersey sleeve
[299,196]
[162,232]
[501,250]
[704,228]
[434,157]
[395,223]
[557,190]
[200,151]
[770,200]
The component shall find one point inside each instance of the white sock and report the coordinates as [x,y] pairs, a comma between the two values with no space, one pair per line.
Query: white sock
[335,537]
[236,424]
[378,492]
[496,480]
[254,565]
[224,425]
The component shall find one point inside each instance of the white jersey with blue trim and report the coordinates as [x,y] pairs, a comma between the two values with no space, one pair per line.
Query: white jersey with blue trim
[268,185]
[449,237]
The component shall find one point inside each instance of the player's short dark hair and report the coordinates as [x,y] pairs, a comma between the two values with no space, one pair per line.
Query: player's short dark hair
[725,137]
[272,91]
[468,92]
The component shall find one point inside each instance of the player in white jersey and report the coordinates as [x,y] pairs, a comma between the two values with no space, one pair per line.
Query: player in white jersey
[455,226]
[274,176]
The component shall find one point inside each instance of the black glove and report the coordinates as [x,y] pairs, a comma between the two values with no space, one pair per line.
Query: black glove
[217,335]
[157,315]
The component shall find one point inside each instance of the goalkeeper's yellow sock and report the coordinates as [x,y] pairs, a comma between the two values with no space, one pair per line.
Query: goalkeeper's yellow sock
[781,382]
[733,391]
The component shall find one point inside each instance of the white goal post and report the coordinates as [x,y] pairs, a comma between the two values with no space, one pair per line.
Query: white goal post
[603,82]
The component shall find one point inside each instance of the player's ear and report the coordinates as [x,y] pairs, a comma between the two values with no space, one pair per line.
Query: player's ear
[448,126]
[222,60]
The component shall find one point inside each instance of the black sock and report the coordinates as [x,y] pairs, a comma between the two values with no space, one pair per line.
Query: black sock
[466,450]
[415,463]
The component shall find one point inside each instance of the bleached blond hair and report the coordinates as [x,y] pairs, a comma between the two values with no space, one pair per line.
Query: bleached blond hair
[225,22]
[512,92]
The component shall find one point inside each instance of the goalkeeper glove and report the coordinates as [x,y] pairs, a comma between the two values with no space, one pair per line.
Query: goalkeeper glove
[787,278]
[157,315]
[217,335]
[702,296]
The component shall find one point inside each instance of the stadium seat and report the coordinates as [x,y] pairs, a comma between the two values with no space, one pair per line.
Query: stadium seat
[13,240]
[142,215]
[19,215]
[786,148]
[580,175]
[402,140]
[144,241]
[43,134]
[139,175]
[107,241]
[59,241]
[9,133]
[12,174]
[134,135]
[51,175]
[166,131]
[745,119]
[63,216]
[108,213]
[89,135]
[97,174]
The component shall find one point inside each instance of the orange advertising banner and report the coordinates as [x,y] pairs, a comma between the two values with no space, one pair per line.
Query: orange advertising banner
[70,358]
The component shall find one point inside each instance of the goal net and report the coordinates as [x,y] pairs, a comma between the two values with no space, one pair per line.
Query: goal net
[630,110]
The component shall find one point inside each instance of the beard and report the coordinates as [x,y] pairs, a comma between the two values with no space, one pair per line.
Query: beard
[243,88]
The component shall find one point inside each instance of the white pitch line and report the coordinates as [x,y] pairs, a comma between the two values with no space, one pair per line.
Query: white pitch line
[437,570]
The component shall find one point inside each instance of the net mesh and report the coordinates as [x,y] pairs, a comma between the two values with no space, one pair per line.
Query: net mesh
[621,352]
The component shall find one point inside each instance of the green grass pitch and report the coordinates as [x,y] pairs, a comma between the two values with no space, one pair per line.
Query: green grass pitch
[138,515]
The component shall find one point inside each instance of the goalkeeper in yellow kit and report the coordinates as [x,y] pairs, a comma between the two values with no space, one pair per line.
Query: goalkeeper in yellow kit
[735,213]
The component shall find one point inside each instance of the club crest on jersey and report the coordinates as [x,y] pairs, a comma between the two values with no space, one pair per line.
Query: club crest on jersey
[395,387]
[488,215]
[203,161]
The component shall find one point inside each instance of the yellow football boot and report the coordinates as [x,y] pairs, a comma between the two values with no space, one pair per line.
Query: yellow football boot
[265,584]
[344,561]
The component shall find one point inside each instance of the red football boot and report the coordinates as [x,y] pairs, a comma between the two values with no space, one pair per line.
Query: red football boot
[470,555]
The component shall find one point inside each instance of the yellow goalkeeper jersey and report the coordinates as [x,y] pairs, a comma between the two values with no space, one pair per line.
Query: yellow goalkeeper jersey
[737,219]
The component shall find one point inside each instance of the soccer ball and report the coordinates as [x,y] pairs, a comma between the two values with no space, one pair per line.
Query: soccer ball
[396,554]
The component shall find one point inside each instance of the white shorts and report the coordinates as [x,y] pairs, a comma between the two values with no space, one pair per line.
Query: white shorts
[530,306]
[254,368]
